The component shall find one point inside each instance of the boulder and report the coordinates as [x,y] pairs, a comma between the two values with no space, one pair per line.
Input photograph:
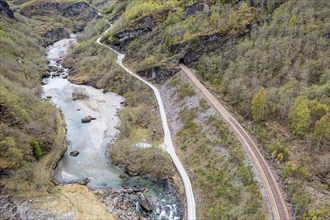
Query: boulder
[132,170]
[123,176]
[46,75]
[56,74]
[74,153]
[86,119]
[85,181]
[145,203]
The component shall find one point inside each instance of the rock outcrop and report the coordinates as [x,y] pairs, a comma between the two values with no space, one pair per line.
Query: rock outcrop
[192,9]
[56,34]
[160,73]
[5,10]
[138,28]
[69,17]
[77,10]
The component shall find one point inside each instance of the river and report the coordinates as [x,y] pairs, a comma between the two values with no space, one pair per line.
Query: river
[91,139]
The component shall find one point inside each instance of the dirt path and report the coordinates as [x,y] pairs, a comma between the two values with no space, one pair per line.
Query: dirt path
[274,193]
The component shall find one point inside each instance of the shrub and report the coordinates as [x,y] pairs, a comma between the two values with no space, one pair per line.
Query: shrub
[37,151]
[185,90]
[203,104]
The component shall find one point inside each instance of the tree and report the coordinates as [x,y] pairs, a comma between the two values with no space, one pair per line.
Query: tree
[322,129]
[300,116]
[317,110]
[258,104]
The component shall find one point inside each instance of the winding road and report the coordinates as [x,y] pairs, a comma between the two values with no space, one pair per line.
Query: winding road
[191,210]
[274,194]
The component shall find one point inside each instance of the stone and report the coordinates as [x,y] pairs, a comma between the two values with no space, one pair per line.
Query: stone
[46,75]
[55,74]
[86,119]
[85,181]
[158,210]
[74,153]
[123,176]
[144,202]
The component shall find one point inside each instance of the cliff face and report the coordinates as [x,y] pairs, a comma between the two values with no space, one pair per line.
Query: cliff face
[62,17]
[5,10]
[76,10]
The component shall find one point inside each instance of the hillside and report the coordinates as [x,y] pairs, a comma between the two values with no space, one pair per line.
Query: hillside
[267,60]
[32,131]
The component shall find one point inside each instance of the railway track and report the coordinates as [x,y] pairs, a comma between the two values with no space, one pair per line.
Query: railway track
[274,194]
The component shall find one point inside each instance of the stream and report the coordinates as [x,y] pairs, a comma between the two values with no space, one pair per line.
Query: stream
[91,139]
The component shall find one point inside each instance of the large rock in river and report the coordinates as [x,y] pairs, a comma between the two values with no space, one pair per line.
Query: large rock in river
[145,203]
[74,153]
[86,119]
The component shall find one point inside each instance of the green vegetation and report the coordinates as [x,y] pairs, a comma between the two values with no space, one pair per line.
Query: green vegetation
[36,149]
[258,104]
[29,127]
[203,104]
[184,91]
[299,116]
